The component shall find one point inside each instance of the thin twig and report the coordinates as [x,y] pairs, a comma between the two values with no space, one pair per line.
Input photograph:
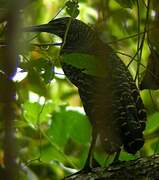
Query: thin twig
[143,39]
[46,44]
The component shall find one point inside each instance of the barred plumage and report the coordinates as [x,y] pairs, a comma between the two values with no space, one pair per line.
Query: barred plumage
[111,102]
[117,95]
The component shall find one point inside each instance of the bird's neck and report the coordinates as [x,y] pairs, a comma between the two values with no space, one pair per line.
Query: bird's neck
[91,45]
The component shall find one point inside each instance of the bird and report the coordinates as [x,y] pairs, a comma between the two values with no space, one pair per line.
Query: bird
[109,94]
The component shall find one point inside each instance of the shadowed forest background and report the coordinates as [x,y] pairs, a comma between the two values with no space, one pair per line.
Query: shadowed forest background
[44,132]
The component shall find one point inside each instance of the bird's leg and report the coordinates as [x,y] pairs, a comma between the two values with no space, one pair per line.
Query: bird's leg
[116,158]
[87,166]
[88,162]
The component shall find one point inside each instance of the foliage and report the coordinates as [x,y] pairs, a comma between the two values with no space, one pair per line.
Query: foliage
[52,131]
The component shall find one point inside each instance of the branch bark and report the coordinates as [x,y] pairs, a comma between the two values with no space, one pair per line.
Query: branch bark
[8,66]
[8,94]
[142,168]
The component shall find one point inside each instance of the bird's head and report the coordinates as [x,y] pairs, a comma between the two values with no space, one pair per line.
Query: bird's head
[77,33]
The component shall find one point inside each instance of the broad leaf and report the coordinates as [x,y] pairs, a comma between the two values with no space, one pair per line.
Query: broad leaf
[68,124]
[89,64]
[35,112]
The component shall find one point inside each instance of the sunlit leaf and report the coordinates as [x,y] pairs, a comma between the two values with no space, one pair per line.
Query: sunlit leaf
[69,133]
[88,64]
[36,113]
[69,124]
[153,123]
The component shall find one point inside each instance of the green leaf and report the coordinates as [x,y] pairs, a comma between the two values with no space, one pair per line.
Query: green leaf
[37,85]
[51,153]
[48,74]
[155,146]
[70,133]
[45,69]
[35,112]
[153,121]
[69,124]
[89,64]
[126,156]
[72,8]
[126,3]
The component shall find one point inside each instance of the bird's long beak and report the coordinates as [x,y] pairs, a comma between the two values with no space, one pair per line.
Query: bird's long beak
[57,27]
[50,28]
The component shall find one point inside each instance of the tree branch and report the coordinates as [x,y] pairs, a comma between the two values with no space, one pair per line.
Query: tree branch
[142,168]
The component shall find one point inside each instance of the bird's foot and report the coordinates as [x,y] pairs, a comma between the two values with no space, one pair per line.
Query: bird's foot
[116,158]
[85,169]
